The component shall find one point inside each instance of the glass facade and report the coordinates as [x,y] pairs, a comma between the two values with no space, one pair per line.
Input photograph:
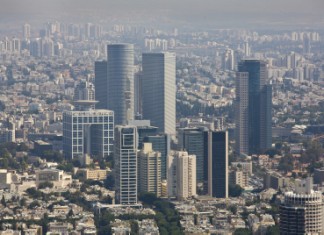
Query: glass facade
[90,132]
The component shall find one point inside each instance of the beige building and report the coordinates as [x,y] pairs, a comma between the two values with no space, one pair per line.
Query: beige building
[240,173]
[244,166]
[239,177]
[57,177]
[60,228]
[164,188]
[5,178]
[10,232]
[92,174]
[149,170]
[181,175]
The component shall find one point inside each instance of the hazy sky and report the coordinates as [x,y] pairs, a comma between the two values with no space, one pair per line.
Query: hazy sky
[206,11]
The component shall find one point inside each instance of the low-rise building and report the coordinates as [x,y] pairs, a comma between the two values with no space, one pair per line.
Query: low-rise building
[148,226]
[92,174]
[274,180]
[57,177]
[59,228]
[119,227]
[239,177]
[5,178]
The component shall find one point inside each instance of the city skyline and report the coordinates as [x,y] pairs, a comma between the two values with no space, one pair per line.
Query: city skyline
[161,117]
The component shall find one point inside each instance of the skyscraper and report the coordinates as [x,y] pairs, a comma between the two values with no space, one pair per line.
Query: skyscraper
[302,210]
[120,97]
[247,49]
[159,90]
[195,141]
[306,44]
[253,107]
[84,96]
[126,164]
[218,164]
[86,130]
[160,143]
[35,47]
[101,84]
[228,60]
[181,175]
[144,129]
[149,170]
[26,31]
[90,132]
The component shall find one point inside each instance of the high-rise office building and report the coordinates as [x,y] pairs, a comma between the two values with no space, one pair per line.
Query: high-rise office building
[253,107]
[26,31]
[291,60]
[126,164]
[228,60]
[101,84]
[306,44]
[247,49]
[159,90]
[16,45]
[120,97]
[88,132]
[160,143]
[149,170]
[84,91]
[302,210]
[35,47]
[47,47]
[195,141]
[181,175]
[217,166]
[144,129]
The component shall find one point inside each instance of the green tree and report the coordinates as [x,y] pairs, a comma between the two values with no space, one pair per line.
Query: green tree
[242,231]
[70,214]
[53,156]
[134,227]
[34,193]
[314,151]
[22,202]
[272,151]
[147,198]
[233,209]
[286,163]
[3,201]
[22,148]
[109,182]
[273,230]
[67,167]
[235,190]
[278,145]
[46,184]
[33,205]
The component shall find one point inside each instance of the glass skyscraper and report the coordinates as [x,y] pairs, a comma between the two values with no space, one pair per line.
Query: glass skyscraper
[159,90]
[120,85]
[90,132]
[125,156]
[253,107]
[194,141]
[218,164]
[101,84]
[160,143]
